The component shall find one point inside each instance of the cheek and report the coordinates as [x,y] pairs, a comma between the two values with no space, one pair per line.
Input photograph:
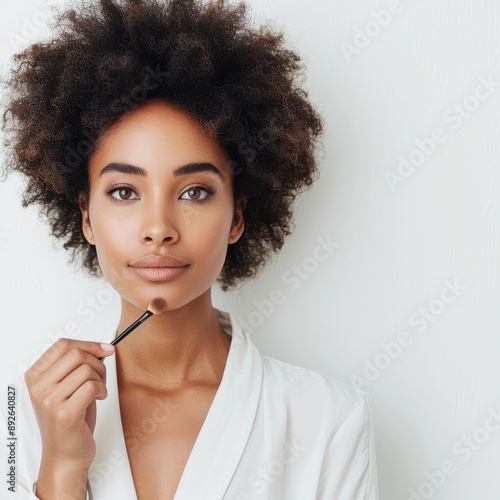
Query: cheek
[110,235]
[112,239]
[211,239]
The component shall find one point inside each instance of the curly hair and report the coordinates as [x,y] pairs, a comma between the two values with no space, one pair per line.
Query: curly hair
[240,82]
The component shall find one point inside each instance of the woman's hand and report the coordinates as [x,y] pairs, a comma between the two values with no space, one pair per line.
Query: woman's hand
[64,385]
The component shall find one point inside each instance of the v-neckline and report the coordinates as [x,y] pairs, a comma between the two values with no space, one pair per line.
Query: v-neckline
[220,443]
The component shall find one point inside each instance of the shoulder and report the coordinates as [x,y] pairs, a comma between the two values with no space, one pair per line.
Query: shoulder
[323,399]
[306,382]
[331,419]
[300,398]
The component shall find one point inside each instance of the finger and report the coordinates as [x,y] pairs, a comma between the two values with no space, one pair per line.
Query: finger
[74,381]
[84,395]
[65,414]
[61,347]
[46,382]
[53,399]
[70,362]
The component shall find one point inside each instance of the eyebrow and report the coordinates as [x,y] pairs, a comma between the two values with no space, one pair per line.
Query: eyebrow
[190,168]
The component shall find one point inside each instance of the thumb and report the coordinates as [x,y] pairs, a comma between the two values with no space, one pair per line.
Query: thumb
[106,350]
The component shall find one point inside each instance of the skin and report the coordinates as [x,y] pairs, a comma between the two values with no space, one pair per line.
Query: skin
[173,363]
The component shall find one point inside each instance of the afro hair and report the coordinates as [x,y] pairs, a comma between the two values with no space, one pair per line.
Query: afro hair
[106,57]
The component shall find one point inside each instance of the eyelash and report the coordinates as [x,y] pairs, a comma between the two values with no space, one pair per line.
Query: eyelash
[210,192]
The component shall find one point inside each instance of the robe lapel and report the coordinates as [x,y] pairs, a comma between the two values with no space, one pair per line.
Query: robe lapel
[225,432]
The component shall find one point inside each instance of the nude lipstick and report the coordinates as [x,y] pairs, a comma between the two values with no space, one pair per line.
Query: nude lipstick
[159,268]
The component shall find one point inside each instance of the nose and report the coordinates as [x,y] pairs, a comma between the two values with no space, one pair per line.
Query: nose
[158,226]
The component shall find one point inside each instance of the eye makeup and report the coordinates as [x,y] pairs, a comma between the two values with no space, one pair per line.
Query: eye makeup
[209,192]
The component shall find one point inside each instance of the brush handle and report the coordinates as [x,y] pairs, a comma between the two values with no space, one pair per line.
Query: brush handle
[132,327]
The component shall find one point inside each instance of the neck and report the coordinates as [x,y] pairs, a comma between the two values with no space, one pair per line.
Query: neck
[173,349]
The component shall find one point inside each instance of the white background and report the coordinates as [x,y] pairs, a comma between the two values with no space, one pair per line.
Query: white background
[417,70]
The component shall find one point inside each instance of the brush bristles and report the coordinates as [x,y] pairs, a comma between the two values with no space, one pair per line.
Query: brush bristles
[158,305]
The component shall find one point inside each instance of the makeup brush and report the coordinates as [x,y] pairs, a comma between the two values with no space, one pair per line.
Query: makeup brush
[156,306]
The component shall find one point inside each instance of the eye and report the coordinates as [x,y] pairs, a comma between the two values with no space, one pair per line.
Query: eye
[123,194]
[198,193]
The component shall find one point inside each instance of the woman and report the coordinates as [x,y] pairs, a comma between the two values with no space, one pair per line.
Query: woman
[166,142]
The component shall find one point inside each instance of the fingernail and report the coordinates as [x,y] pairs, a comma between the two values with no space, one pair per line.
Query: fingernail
[107,347]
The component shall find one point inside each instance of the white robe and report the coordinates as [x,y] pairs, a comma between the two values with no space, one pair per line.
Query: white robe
[274,431]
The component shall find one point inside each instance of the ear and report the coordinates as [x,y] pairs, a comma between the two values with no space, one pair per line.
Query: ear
[238,224]
[84,209]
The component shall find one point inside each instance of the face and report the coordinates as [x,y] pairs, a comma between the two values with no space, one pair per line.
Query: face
[161,206]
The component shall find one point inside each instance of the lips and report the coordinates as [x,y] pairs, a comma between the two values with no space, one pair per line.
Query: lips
[159,268]
[159,261]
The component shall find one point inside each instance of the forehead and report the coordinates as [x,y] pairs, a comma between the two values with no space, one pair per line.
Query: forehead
[157,134]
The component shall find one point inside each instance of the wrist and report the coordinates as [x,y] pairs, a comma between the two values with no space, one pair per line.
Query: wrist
[61,482]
